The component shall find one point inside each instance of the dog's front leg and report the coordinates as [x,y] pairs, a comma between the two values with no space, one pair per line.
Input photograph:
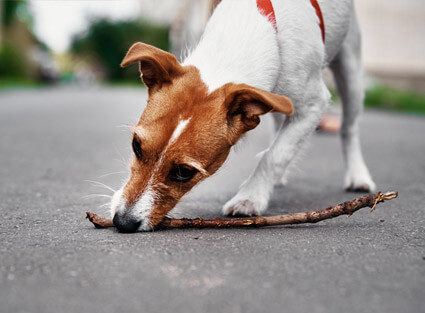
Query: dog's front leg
[254,194]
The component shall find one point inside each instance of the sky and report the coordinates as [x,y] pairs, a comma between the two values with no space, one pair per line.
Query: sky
[55,22]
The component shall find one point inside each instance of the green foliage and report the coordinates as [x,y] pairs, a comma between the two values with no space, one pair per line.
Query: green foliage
[382,97]
[334,95]
[10,10]
[107,42]
[12,62]
[393,99]
[8,83]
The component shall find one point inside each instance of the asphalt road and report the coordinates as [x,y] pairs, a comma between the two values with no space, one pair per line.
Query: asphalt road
[53,260]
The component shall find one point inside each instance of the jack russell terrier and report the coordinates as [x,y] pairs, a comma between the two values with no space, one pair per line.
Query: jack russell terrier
[255,57]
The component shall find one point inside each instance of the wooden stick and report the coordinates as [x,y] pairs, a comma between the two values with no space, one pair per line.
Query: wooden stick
[348,208]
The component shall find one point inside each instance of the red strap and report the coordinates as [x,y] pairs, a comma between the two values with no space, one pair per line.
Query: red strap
[266,8]
[316,5]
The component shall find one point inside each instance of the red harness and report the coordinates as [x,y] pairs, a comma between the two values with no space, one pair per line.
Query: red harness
[266,8]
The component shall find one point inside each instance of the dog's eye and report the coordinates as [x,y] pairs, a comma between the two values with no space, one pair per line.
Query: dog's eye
[136,148]
[181,173]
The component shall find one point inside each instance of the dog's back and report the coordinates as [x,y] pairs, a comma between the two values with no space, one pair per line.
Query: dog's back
[337,16]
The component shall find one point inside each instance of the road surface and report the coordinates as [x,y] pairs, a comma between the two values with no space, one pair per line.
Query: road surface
[53,260]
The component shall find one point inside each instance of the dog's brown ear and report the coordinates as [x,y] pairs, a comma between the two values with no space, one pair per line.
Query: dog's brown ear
[245,104]
[157,66]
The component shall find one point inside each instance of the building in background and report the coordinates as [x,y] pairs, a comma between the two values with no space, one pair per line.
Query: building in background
[394,41]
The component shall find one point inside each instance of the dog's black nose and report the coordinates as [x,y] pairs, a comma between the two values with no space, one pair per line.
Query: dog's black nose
[126,223]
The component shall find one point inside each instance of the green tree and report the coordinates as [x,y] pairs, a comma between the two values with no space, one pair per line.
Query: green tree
[107,42]
[12,10]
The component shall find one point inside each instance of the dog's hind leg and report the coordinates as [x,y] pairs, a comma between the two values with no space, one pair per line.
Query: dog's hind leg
[348,73]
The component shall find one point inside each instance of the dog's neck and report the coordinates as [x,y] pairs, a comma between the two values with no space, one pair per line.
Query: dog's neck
[239,45]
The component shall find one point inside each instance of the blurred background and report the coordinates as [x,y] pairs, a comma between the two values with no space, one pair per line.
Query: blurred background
[63,151]
[82,42]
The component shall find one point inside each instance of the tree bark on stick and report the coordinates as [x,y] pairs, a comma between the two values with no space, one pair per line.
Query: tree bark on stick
[347,208]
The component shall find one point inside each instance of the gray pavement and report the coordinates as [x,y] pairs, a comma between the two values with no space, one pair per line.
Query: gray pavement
[53,260]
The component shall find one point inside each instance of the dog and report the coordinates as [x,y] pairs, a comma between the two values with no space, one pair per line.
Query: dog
[255,57]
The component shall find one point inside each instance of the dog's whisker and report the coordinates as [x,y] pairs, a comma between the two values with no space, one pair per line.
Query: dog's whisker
[122,158]
[101,185]
[105,204]
[94,195]
[113,173]
[122,161]
[125,126]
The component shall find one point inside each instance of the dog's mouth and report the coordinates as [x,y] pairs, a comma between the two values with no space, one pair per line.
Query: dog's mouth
[144,215]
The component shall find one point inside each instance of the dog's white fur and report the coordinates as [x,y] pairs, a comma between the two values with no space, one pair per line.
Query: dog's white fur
[240,45]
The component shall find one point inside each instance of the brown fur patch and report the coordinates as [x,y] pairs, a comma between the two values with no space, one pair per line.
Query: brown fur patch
[216,122]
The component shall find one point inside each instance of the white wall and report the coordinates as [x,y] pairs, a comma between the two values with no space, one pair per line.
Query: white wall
[393,36]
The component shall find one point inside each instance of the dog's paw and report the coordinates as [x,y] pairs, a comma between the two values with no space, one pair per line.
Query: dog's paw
[359,182]
[244,207]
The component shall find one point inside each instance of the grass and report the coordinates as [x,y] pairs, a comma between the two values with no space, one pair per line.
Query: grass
[397,100]
[386,98]
[9,83]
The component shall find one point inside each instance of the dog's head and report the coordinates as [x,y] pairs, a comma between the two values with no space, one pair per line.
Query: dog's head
[183,136]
